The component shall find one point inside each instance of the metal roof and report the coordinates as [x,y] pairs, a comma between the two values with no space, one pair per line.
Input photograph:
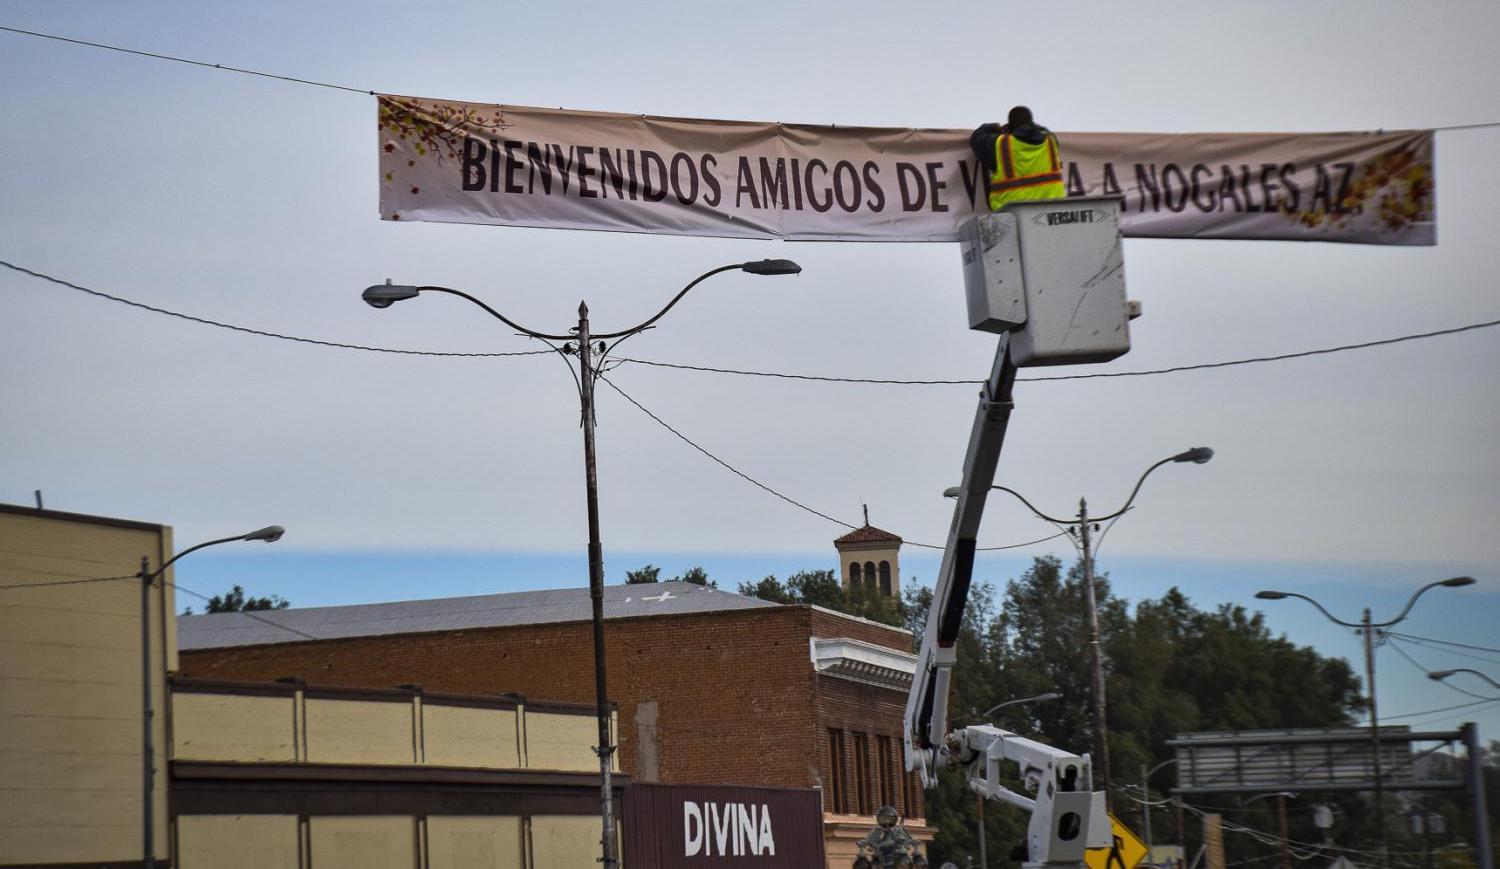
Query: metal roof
[224,630]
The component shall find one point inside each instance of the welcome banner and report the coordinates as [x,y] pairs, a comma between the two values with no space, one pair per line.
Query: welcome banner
[518,166]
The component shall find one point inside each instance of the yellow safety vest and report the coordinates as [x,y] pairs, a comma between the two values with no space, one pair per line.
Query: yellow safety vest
[1024,171]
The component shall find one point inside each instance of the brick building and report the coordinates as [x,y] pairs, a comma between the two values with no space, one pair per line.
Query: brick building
[712,687]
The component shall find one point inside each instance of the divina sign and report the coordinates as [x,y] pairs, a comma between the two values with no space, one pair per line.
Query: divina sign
[722,827]
[727,829]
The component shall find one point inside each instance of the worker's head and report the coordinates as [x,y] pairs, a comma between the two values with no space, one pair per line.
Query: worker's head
[887,816]
[1020,116]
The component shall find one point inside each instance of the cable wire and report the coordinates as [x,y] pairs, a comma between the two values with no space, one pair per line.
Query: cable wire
[784,375]
[174,59]
[1249,360]
[1419,638]
[369,92]
[205,598]
[248,613]
[795,503]
[1439,709]
[1396,647]
[52,583]
[249,331]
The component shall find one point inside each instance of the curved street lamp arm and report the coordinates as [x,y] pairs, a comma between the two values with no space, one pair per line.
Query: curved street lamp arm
[1440,675]
[1133,492]
[497,315]
[1411,602]
[1331,616]
[1022,498]
[675,299]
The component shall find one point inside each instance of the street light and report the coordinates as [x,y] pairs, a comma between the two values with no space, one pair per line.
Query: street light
[581,342]
[269,534]
[1085,525]
[1367,628]
[1440,675]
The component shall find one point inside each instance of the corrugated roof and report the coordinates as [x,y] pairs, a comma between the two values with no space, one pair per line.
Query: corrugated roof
[868,534]
[223,630]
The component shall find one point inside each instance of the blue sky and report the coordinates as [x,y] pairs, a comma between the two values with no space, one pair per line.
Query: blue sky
[1356,476]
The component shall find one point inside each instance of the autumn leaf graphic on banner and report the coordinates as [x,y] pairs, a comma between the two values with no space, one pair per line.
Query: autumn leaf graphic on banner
[1394,191]
[430,129]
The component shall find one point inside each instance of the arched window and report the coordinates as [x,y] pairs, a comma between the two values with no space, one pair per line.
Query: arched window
[885,578]
[870,575]
[854,573]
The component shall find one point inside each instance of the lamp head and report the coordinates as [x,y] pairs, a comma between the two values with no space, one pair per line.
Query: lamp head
[270,534]
[387,294]
[1196,455]
[1458,581]
[1043,698]
[772,267]
[1271,595]
[1440,675]
[952,492]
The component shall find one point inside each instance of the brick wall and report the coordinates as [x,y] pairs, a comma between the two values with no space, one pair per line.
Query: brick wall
[737,700]
[874,713]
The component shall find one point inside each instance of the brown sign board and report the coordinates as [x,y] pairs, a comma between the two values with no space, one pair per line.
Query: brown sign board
[722,827]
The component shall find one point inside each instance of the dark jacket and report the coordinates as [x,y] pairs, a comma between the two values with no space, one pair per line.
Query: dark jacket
[982,140]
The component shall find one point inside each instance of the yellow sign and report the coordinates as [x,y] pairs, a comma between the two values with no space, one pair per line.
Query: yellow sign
[1125,853]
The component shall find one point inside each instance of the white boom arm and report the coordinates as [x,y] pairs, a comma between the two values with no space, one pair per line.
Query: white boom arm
[1064,810]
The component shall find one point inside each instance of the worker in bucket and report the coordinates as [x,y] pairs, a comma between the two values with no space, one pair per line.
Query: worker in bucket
[1022,157]
[889,846]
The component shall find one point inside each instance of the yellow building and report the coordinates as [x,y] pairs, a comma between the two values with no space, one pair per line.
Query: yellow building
[261,775]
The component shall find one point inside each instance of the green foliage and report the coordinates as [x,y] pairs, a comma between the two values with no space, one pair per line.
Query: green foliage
[697,576]
[822,588]
[234,601]
[1169,668]
[647,573]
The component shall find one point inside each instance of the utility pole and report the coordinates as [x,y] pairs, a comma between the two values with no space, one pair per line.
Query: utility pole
[1369,634]
[1483,851]
[148,752]
[605,749]
[1146,811]
[1101,728]
[1286,850]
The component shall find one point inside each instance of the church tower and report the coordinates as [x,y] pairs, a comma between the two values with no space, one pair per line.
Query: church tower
[870,558]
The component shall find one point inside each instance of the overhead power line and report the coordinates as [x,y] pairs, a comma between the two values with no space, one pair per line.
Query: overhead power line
[247,330]
[205,598]
[1418,638]
[202,63]
[1396,645]
[371,92]
[1440,709]
[774,374]
[1249,360]
[795,503]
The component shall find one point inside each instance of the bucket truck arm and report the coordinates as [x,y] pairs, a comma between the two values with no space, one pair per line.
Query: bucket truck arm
[1063,804]
[1048,278]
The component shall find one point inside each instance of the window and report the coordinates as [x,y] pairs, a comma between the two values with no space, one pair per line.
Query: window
[862,773]
[837,787]
[884,757]
[869,575]
[854,573]
[913,808]
[885,578]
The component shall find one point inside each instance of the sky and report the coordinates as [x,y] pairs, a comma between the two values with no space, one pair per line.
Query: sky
[1356,477]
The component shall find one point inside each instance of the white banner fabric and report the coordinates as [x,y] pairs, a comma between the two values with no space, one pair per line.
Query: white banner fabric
[517,166]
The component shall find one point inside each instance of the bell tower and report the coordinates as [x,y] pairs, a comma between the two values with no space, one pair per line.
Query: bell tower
[870,558]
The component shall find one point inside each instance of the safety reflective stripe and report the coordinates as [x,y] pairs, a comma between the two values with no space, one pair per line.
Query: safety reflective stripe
[1003,157]
[1028,181]
[1052,152]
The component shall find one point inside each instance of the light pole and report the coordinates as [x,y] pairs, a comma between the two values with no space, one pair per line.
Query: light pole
[1440,675]
[1040,698]
[1146,805]
[581,342]
[270,534]
[1281,798]
[1367,628]
[1085,525]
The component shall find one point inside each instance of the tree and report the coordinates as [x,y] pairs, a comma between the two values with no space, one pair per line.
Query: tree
[234,601]
[647,573]
[697,576]
[822,588]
